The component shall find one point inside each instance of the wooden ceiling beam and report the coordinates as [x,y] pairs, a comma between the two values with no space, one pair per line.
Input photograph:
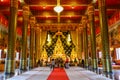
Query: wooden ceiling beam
[110,7]
[55,5]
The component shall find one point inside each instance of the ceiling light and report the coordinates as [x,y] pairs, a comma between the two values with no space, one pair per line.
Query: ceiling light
[22,1]
[44,7]
[49,38]
[69,39]
[72,7]
[58,8]
[94,1]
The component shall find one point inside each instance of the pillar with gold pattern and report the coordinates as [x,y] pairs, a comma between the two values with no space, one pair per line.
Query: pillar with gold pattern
[77,46]
[32,42]
[23,56]
[106,60]
[92,37]
[10,59]
[40,48]
[80,42]
[37,43]
[84,23]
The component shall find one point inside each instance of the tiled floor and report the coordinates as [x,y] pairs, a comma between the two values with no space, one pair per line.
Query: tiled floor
[40,73]
[116,74]
[77,73]
[74,73]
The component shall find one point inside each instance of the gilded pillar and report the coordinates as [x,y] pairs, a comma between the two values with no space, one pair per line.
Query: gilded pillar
[84,23]
[41,42]
[23,56]
[106,59]
[32,42]
[10,58]
[37,43]
[92,37]
[77,45]
[80,42]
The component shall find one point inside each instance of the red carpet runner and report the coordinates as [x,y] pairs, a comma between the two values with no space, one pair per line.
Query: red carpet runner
[58,74]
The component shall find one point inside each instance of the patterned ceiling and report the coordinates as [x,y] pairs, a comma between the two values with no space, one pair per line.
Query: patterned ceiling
[44,13]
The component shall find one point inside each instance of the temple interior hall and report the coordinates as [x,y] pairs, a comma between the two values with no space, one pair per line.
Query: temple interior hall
[59,39]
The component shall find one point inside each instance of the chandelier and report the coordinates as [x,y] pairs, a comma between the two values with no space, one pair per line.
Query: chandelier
[58,8]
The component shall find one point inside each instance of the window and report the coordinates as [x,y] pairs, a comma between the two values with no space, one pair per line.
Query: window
[118,53]
[100,54]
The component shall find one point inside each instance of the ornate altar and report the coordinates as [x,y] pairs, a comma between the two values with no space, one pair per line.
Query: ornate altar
[59,50]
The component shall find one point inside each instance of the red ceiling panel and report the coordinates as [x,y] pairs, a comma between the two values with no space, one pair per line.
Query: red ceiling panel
[50,7]
[113,2]
[47,17]
[43,10]
[109,13]
[7,13]
[5,3]
[34,7]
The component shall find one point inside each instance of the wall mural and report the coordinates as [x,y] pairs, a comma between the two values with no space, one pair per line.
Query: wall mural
[114,38]
[115,35]
[98,42]
[51,41]
[3,38]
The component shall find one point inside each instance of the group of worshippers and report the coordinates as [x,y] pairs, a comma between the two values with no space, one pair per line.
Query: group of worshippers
[59,63]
